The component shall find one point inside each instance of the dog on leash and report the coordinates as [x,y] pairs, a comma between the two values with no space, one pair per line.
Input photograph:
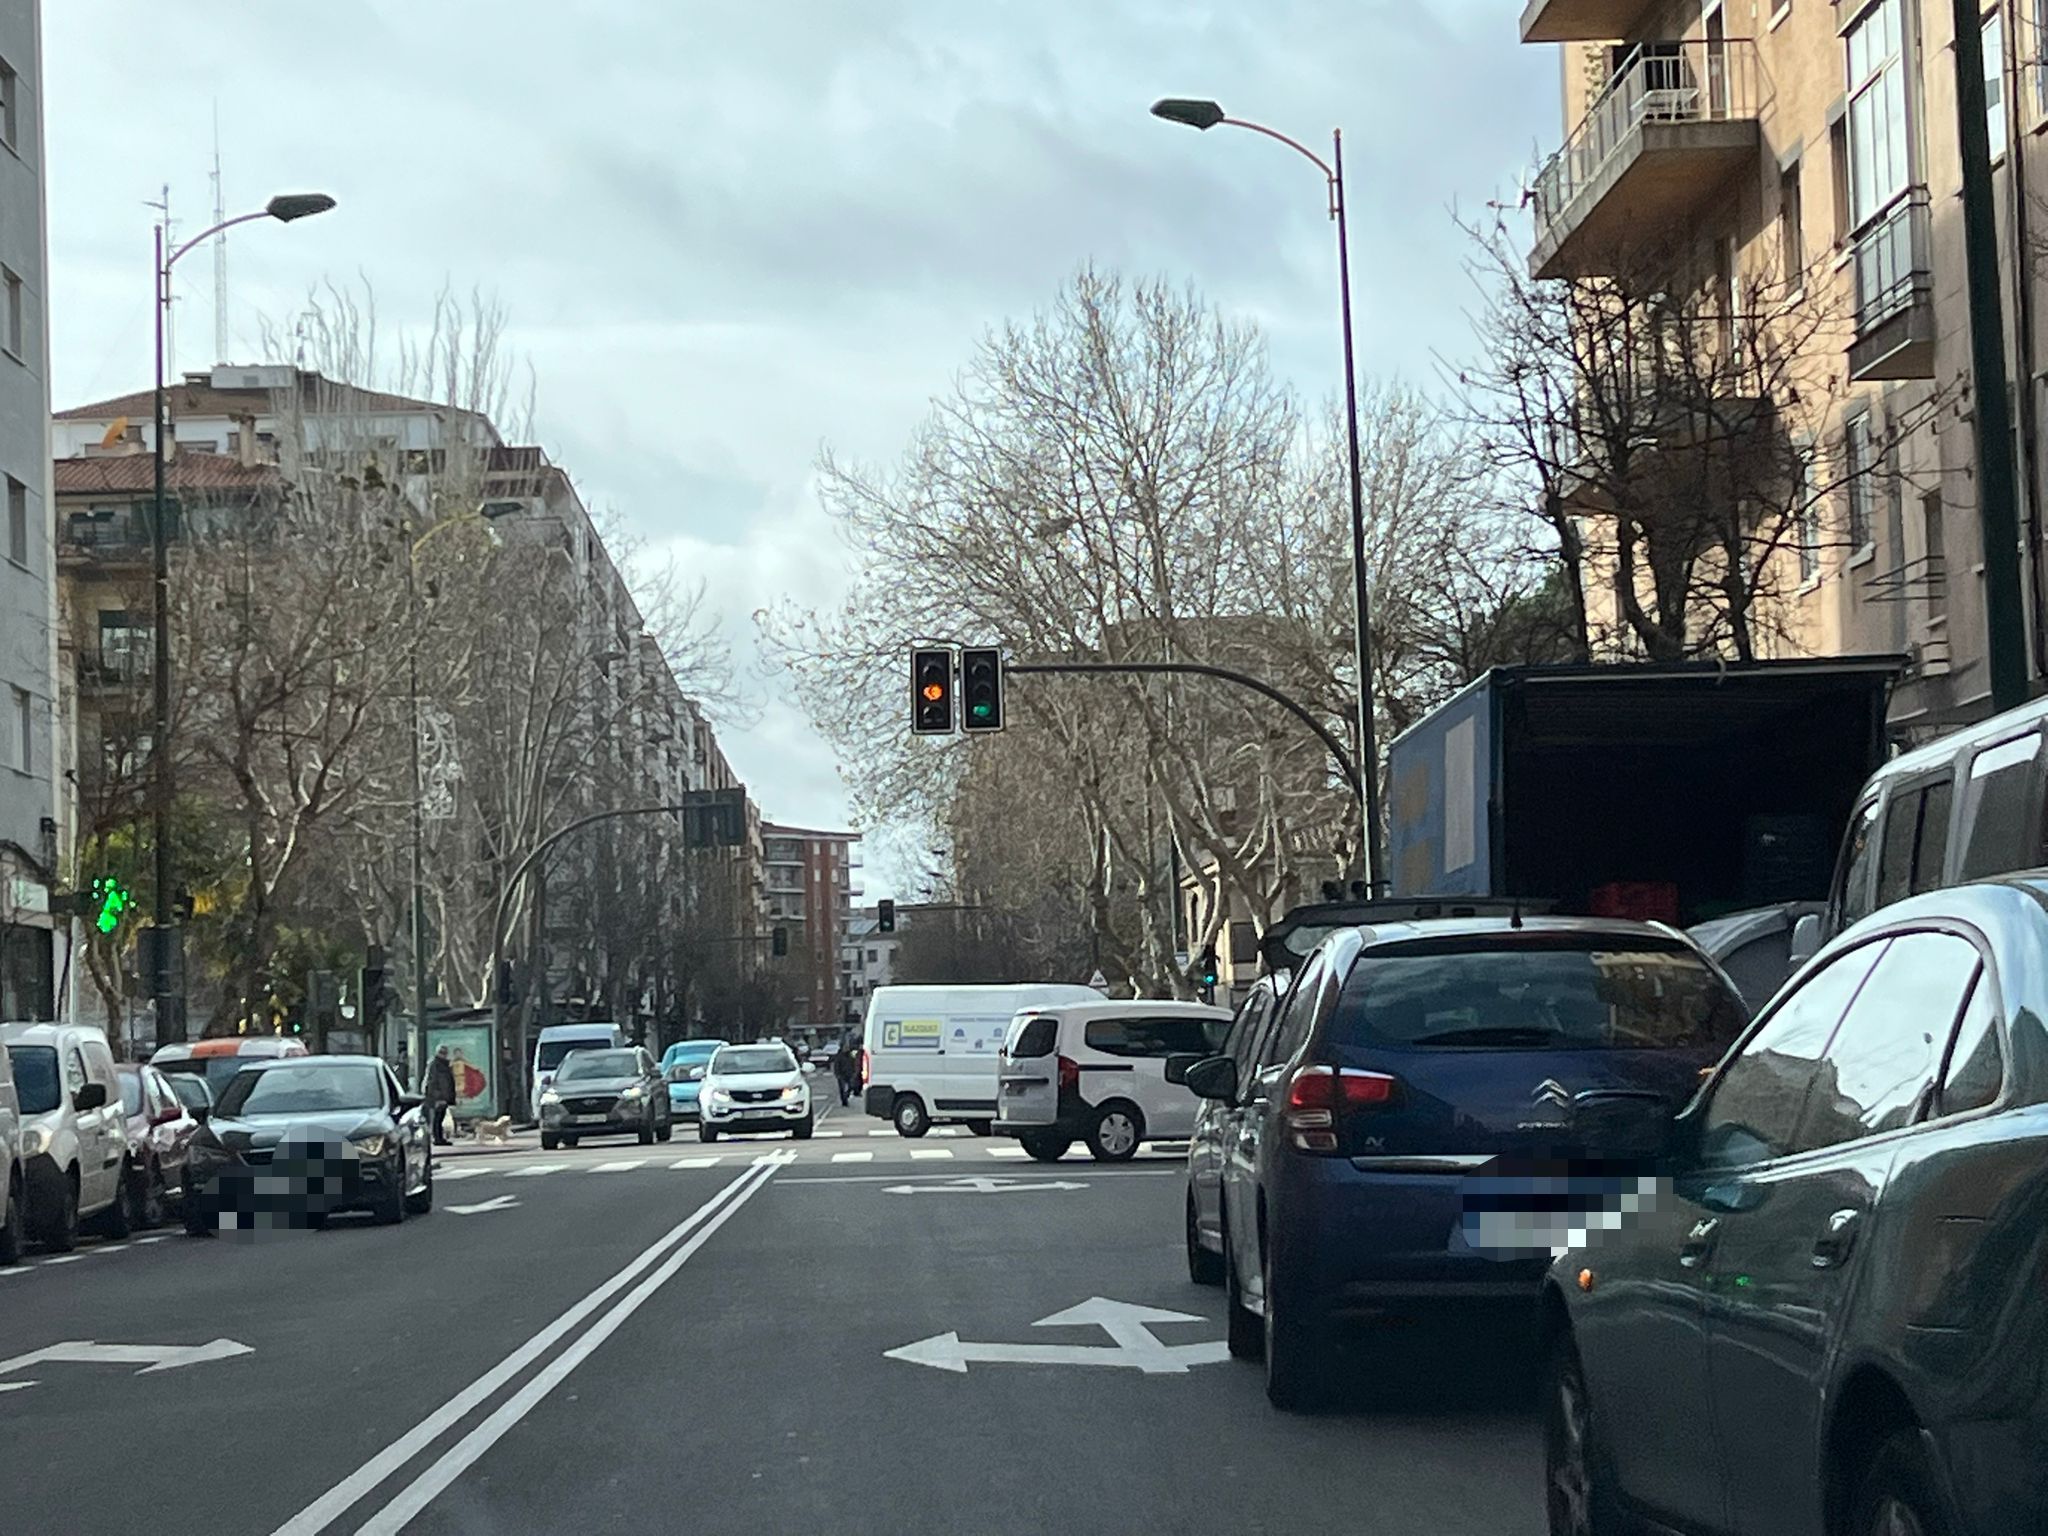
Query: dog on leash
[499,1129]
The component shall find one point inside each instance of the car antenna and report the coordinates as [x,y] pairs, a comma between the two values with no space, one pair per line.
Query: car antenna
[1515,916]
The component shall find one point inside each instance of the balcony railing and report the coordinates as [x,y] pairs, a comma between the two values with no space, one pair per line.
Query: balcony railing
[1894,267]
[1660,92]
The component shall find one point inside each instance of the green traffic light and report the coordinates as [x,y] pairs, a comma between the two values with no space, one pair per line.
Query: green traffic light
[982,711]
[114,900]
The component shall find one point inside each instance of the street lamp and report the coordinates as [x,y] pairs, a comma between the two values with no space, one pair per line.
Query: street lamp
[170,1021]
[1205,115]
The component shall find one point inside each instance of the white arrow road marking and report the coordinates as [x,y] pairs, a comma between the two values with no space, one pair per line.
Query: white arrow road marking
[151,1357]
[537,1170]
[986,1186]
[16,1386]
[1135,1348]
[501,1203]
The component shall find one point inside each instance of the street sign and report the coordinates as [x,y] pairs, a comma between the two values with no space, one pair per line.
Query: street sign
[151,1357]
[1132,1345]
[980,1186]
[1098,981]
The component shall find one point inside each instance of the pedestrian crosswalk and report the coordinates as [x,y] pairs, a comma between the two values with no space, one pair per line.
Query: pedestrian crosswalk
[745,1154]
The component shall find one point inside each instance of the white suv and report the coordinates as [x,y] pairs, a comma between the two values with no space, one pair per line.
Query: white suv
[1096,1073]
[74,1135]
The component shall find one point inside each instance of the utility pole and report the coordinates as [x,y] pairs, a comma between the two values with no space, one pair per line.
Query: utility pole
[1997,479]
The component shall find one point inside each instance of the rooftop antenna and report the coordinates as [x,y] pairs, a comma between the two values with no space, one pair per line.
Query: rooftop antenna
[220,252]
[163,208]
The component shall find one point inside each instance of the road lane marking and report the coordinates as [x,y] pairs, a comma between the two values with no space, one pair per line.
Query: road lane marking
[445,1175]
[627,1165]
[344,1495]
[930,1152]
[981,1186]
[496,1203]
[881,1133]
[537,1170]
[853,1157]
[425,1488]
[1101,1175]
[62,1258]
[1133,1345]
[1006,1152]
[696,1162]
[157,1237]
[827,1135]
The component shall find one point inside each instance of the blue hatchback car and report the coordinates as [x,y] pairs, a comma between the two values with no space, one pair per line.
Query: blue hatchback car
[1434,1109]
[682,1066]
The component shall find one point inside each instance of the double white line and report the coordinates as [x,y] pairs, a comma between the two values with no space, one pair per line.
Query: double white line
[664,1256]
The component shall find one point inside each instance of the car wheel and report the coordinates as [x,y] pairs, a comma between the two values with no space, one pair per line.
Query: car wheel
[667,1130]
[1296,1366]
[645,1135]
[568,1141]
[981,1127]
[1577,1491]
[390,1207]
[13,1220]
[805,1127]
[422,1202]
[117,1220]
[1045,1146]
[910,1116]
[1114,1133]
[1896,1496]
[1204,1267]
[62,1234]
[1242,1330]
[146,1196]
[705,1132]
[549,1141]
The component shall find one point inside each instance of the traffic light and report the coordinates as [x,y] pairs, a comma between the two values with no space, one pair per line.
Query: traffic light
[931,692]
[885,917]
[373,991]
[1206,973]
[110,898]
[981,688]
[778,941]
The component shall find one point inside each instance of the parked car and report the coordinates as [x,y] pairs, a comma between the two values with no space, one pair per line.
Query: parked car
[606,1092]
[931,1051]
[74,1140]
[557,1041]
[1206,1149]
[1755,948]
[1827,1321]
[349,1136]
[193,1092]
[682,1067]
[218,1060]
[160,1131]
[1385,1128]
[1096,1073]
[754,1088]
[13,1196]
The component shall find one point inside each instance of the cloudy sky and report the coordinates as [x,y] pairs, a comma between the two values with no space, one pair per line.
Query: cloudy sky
[729,232]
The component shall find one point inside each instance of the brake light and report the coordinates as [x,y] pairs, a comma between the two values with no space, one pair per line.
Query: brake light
[1070,1076]
[1316,1096]
[864,1066]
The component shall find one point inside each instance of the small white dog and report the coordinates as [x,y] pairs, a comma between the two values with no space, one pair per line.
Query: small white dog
[499,1129]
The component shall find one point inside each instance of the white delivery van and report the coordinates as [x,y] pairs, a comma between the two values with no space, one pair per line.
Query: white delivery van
[557,1041]
[931,1051]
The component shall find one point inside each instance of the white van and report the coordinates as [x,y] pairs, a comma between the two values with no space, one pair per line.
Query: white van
[557,1041]
[74,1133]
[1096,1073]
[931,1051]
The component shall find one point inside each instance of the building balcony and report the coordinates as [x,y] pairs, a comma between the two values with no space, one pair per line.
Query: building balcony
[1894,265]
[112,672]
[1657,145]
[1582,21]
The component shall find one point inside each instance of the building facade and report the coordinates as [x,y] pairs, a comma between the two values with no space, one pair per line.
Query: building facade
[810,890]
[1818,139]
[31,832]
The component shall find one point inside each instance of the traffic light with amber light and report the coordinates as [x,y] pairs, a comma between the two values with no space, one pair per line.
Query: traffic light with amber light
[981,689]
[931,692]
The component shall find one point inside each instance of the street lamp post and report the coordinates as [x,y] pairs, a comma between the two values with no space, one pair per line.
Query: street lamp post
[1205,115]
[170,1022]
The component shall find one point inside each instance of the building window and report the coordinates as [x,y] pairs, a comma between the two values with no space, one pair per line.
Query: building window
[1859,469]
[1935,585]
[1879,171]
[124,645]
[2040,56]
[24,731]
[1791,228]
[10,105]
[17,521]
[10,319]
[1805,514]
[1994,81]
[1838,168]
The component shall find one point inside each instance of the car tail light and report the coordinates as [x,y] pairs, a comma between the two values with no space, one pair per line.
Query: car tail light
[1318,1096]
[864,1067]
[1070,1075]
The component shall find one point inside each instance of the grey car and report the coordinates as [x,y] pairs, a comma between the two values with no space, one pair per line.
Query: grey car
[605,1091]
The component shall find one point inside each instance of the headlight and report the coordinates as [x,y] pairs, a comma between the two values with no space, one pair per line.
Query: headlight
[633,1092]
[35,1141]
[717,1095]
[549,1096]
[372,1145]
[792,1093]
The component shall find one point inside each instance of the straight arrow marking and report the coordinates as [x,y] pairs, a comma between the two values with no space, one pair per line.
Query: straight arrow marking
[1135,1348]
[499,1203]
[151,1357]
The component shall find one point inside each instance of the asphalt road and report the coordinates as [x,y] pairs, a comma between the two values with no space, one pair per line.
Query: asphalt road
[748,1337]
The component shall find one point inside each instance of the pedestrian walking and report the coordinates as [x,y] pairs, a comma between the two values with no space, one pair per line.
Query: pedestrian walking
[441,1096]
[846,1068]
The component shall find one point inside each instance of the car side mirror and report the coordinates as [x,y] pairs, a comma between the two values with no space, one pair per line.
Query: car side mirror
[1626,1123]
[202,1113]
[1177,1066]
[1805,940]
[91,1096]
[679,1073]
[1215,1077]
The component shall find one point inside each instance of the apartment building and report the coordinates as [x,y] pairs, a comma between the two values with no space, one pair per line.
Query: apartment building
[29,811]
[1818,138]
[810,890]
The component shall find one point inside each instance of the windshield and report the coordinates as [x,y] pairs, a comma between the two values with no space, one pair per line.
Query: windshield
[752,1058]
[35,1077]
[588,1063]
[552,1052]
[691,1051]
[312,1089]
[216,1071]
[190,1088]
[1570,993]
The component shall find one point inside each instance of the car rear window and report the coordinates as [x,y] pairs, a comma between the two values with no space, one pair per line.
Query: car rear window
[1152,1037]
[1573,992]
[1033,1036]
[35,1077]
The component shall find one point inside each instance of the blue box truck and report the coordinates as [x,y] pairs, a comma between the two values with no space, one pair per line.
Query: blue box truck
[1730,783]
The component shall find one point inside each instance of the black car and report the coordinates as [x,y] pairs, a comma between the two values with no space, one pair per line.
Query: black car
[1829,1320]
[606,1091]
[1412,1131]
[296,1139]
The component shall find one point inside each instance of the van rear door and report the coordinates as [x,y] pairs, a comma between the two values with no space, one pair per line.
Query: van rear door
[1027,1071]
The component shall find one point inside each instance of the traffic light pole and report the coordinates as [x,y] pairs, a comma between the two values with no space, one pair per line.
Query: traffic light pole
[1197,669]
